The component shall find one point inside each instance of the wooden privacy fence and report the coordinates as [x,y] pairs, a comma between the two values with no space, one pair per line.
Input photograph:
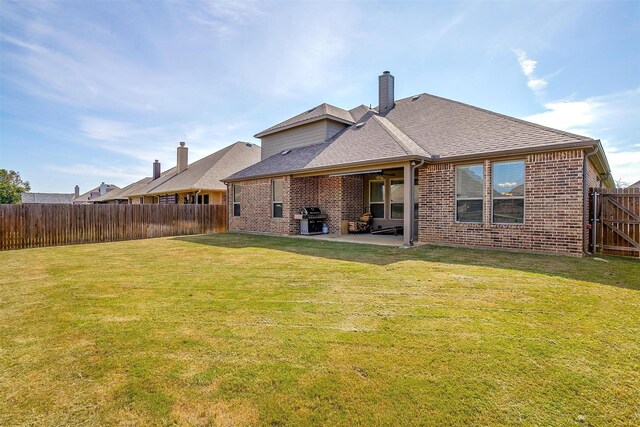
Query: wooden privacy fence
[29,226]
[618,220]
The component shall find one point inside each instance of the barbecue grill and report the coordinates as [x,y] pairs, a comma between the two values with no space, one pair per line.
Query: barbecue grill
[311,220]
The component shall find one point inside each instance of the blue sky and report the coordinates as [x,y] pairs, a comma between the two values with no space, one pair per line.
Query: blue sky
[94,91]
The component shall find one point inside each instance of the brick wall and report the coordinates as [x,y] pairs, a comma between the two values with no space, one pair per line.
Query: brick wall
[255,208]
[338,197]
[553,219]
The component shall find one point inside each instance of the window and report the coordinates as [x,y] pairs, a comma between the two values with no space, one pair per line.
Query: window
[376,198]
[397,199]
[236,199]
[508,192]
[276,198]
[203,199]
[469,191]
[142,200]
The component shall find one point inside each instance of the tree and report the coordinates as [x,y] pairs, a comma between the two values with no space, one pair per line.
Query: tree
[12,187]
[620,183]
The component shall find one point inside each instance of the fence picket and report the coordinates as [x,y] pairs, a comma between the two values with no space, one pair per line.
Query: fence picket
[28,226]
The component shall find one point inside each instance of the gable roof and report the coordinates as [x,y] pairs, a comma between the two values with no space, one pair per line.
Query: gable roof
[49,198]
[635,185]
[322,111]
[204,174]
[422,127]
[123,193]
[86,197]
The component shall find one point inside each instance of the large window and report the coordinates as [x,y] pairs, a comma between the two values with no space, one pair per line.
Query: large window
[376,198]
[508,192]
[469,190]
[236,199]
[276,197]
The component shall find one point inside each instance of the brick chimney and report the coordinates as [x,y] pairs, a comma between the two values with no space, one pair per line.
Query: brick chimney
[77,191]
[183,157]
[385,93]
[156,169]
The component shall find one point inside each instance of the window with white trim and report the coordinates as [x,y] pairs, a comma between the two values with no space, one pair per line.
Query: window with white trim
[236,199]
[469,193]
[507,189]
[376,198]
[276,198]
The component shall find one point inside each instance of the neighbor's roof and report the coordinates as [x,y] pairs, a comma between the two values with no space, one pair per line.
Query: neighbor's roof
[86,196]
[322,111]
[635,185]
[206,173]
[123,193]
[422,126]
[53,198]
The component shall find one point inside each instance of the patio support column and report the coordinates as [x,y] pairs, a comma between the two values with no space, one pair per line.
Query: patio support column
[408,205]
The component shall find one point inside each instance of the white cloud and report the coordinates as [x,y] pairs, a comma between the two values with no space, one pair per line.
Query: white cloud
[610,118]
[528,67]
[99,171]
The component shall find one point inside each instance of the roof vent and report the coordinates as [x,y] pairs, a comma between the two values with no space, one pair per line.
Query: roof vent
[248,144]
[285,152]
[415,97]
[309,111]
[359,125]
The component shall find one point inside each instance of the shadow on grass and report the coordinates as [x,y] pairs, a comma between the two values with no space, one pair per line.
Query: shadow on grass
[607,270]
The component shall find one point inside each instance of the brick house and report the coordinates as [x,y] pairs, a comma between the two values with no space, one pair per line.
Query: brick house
[479,178]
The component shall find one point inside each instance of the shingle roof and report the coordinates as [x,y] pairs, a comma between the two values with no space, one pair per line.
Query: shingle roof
[322,111]
[123,193]
[450,128]
[635,185]
[52,198]
[421,126]
[206,173]
[86,197]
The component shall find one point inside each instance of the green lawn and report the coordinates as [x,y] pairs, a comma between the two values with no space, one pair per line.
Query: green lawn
[251,330]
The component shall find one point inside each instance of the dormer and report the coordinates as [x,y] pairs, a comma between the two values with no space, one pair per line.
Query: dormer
[314,126]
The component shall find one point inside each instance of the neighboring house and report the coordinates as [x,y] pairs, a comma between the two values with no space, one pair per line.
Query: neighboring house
[478,178]
[89,196]
[635,185]
[198,182]
[121,196]
[47,198]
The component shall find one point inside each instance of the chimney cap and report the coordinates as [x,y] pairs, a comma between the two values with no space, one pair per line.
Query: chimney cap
[182,143]
[386,72]
[156,161]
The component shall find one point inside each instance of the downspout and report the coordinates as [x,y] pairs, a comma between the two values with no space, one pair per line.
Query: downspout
[413,220]
[585,197]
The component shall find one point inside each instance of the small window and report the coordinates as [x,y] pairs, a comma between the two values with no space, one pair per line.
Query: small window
[205,199]
[276,197]
[508,192]
[236,199]
[469,193]
[376,198]
[142,200]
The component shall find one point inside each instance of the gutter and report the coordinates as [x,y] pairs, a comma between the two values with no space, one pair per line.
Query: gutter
[432,159]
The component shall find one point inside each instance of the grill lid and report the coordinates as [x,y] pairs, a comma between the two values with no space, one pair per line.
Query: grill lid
[310,211]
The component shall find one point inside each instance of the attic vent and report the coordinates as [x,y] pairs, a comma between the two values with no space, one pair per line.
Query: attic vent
[415,97]
[249,144]
[359,125]
[285,152]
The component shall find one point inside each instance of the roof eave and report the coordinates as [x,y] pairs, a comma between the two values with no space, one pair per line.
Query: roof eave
[326,169]
[303,122]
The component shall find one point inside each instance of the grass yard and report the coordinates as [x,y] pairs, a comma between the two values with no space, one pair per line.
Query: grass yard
[250,330]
